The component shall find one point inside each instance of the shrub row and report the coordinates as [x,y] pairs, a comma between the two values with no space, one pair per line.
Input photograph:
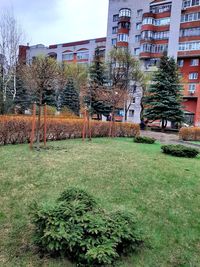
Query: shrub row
[144,140]
[17,129]
[77,227]
[190,134]
[180,151]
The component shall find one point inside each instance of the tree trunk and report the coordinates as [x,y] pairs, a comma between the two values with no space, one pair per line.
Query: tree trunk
[39,122]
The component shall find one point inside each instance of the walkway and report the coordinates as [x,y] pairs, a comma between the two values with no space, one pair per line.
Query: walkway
[167,139]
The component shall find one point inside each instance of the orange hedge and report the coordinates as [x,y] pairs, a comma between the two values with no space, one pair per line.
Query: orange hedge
[190,134]
[17,129]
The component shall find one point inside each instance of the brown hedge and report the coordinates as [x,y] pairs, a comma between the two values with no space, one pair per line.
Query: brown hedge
[190,134]
[17,129]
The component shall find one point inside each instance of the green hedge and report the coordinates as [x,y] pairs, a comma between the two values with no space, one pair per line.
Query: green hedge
[180,151]
[144,140]
[77,227]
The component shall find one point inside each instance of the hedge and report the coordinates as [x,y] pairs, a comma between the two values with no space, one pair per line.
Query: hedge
[17,129]
[190,134]
[180,151]
[144,140]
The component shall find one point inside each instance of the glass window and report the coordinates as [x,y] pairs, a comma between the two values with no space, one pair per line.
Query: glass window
[125,12]
[137,51]
[137,38]
[114,30]
[180,63]
[123,38]
[193,76]
[115,18]
[82,55]
[192,88]
[190,17]
[138,26]
[68,56]
[194,62]
[114,41]
[139,12]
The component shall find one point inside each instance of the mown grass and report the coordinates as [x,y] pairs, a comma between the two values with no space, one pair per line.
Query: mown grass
[162,191]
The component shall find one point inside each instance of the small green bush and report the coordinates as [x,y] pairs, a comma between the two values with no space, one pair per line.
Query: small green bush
[180,151]
[144,140]
[78,228]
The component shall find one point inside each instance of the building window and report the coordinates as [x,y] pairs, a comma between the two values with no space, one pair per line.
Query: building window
[190,17]
[193,76]
[123,38]
[114,41]
[115,18]
[189,46]
[114,30]
[137,38]
[138,26]
[156,22]
[189,3]
[180,63]
[151,48]
[160,8]
[69,56]
[194,62]
[190,32]
[82,55]
[192,88]
[139,12]
[125,12]
[137,51]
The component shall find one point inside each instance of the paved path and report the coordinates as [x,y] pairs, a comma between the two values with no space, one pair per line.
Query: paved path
[167,139]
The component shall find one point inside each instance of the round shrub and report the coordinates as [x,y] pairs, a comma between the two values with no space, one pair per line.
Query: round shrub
[180,151]
[144,140]
[78,228]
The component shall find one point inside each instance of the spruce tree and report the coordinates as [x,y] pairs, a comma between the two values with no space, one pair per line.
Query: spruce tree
[70,97]
[23,98]
[97,81]
[164,97]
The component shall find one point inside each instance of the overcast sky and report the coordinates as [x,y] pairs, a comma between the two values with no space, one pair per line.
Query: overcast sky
[59,21]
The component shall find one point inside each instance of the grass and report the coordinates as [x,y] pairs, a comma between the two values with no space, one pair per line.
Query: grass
[162,191]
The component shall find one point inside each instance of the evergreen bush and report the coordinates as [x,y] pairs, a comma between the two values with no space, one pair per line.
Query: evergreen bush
[180,151]
[78,228]
[144,140]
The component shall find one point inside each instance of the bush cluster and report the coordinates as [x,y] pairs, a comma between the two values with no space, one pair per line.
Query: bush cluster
[190,133]
[75,226]
[17,129]
[180,151]
[144,140]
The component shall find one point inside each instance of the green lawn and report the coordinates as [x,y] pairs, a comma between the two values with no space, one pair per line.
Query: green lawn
[162,191]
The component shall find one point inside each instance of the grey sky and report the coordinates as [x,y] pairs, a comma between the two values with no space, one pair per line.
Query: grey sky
[59,21]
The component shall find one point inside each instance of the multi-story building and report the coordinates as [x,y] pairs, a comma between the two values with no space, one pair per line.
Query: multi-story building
[149,28]
[81,52]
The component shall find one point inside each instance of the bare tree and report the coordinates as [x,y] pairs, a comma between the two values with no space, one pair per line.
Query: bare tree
[11,35]
[42,78]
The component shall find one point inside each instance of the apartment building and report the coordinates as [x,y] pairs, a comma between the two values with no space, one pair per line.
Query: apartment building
[149,28]
[81,52]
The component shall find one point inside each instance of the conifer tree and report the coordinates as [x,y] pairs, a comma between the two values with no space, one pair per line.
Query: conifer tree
[97,81]
[70,97]
[164,97]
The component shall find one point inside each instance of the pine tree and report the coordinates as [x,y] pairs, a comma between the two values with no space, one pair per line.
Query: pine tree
[70,97]
[97,80]
[23,98]
[164,97]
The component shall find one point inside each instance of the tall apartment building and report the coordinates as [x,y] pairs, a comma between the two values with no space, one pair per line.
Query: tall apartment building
[149,28]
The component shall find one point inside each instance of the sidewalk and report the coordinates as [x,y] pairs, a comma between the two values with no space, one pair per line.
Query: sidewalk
[168,139]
